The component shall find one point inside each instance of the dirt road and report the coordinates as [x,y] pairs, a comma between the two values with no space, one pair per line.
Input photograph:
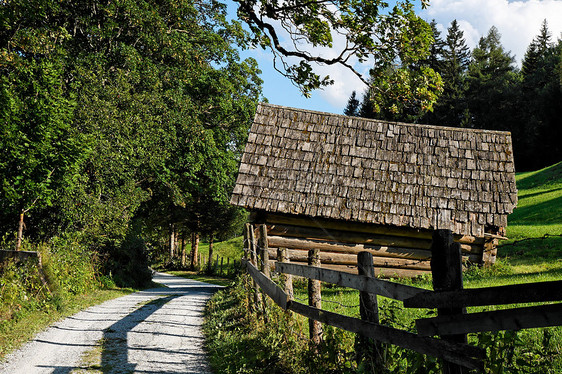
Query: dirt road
[152,331]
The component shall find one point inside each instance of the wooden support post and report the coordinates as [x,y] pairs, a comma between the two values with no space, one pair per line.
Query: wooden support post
[286,279]
[254,260]
[264,266]
[247,230]
[247,257]
[490,251]
[263,250]
[370,351]
[446,269]
[314,299]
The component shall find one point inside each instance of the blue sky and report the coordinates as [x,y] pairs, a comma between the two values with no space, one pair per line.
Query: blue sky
[518,22]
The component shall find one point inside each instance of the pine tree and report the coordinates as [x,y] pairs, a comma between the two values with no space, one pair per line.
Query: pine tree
[492,85]
[352,108]
[536,50]
[541,104]
[451,108]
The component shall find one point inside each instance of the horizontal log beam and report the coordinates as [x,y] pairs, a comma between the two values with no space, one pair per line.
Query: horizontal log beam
[391,244]
[375,250]
[377,243]
[509,319]
[351,259]
[379,272]
[461,354]
[17,255]
[510,294]
[347,226]
[358,282]
[348,248]
[399,273]
[344,236]
[488,236]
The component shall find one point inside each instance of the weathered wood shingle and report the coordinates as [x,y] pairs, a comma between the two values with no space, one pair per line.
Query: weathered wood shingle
[332,166]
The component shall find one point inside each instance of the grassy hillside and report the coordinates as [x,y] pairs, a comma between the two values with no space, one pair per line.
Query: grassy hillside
[231,248]
[539,210]
[535,227]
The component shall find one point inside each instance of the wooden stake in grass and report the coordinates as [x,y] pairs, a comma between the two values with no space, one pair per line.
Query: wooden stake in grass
[370,351]
[314,299]
[446,268]
[286,279]
[254,260]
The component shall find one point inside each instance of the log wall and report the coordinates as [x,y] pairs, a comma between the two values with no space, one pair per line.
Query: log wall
[396,251]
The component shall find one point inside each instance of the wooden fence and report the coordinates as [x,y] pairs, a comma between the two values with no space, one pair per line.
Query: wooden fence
[443,336]
[219,266]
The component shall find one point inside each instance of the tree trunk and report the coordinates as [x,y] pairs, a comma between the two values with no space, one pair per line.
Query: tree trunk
[172,240]
[211,242]
[20,232]
[183,249]
[194,249]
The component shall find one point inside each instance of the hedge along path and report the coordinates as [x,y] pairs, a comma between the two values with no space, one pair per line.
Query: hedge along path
[155,330]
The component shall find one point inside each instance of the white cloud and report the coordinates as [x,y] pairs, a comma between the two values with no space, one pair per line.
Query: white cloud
[518,21]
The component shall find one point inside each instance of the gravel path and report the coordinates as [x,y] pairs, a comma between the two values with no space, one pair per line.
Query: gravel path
[152,331]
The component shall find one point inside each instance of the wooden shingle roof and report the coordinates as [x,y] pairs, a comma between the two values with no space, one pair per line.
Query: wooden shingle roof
[338,167]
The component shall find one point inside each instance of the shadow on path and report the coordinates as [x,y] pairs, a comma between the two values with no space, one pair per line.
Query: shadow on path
[115,349]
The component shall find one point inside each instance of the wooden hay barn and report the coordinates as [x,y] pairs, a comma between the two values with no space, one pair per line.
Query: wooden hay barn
[344,185]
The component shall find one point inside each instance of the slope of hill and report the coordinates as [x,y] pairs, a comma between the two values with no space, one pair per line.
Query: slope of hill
[539,210]
[535,227]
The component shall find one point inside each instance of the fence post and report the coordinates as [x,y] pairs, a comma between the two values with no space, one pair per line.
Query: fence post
[368,349]
[247,241]
[222,263]
[264,250]
[446,270]
[314,299]
[286,279]
[253,261]
[264,255]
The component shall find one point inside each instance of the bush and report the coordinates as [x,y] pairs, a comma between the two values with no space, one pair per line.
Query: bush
[68,270]
[126,263]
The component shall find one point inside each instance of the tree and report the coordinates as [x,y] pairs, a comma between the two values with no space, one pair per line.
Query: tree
[352,107]
[541,100]
[437,49]
[538,47]
[164,107]
[38,155]
[393,37]
[451,109]
[492,85]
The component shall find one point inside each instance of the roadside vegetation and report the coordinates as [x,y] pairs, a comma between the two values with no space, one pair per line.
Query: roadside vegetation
[28,305]
[241,342]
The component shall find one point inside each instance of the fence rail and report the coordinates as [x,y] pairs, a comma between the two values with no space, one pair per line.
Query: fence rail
[448,297]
